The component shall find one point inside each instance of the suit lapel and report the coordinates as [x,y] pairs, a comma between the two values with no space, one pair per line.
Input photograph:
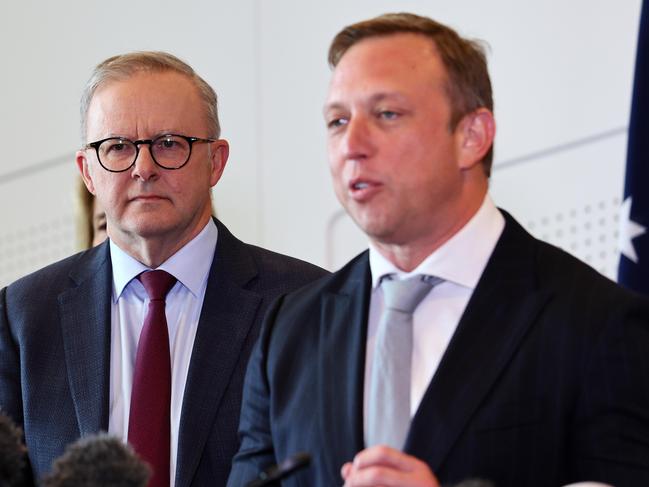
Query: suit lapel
[228,313]
[85,323]
[342,352]
[504,305]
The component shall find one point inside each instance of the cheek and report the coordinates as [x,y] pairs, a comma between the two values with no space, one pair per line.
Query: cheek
[188,180]
[175,186]
[110,189]
[337,180]
[332,151]
[335,167]
[334,170]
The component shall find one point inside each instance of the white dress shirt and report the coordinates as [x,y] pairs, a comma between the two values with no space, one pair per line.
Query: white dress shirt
[190,266]
[460,262]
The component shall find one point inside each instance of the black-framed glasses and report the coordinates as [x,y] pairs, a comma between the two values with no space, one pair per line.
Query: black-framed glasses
[169,151]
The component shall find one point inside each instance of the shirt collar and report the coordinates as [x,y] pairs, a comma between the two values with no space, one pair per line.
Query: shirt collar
[190,265]
[461,259]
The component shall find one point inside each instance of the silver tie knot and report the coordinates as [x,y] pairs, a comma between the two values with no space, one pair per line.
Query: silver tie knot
[405,295]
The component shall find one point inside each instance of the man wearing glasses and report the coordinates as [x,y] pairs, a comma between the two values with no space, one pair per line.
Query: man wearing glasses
[146,336]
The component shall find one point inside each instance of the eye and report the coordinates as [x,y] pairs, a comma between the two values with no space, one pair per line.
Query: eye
[115,146]
[388,114]
[337,122]
[169,144]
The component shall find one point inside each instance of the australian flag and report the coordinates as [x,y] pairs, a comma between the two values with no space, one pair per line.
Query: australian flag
[634,216]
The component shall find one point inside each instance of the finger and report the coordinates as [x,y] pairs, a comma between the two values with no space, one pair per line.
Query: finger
[374,476]
[379,476]
[345,470]
[385,456]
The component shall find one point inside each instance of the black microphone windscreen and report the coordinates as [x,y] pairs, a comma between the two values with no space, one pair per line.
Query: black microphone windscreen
[475,483]
[13,454]
[98,461]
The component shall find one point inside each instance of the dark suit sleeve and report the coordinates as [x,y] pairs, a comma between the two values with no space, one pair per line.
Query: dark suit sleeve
[256,452]
[10,395]
[10,390]
[612,425]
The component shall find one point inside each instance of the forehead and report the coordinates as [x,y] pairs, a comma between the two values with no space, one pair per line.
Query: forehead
[145,102]
[396,62]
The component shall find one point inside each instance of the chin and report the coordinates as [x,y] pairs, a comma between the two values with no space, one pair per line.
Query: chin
[151,228]
[375,228]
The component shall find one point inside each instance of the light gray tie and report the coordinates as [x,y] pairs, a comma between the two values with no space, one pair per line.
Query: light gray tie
[389,401]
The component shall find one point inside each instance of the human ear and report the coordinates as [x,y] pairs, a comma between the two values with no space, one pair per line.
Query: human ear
[219,152]
[476,133]
[82,165]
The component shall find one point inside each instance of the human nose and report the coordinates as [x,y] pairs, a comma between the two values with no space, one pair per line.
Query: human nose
[145,167]
[357,139]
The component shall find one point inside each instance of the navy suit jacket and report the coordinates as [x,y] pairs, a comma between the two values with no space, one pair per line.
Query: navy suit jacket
[545,381]
[55,352]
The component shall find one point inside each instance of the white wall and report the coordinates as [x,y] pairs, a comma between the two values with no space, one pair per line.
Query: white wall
[562,74]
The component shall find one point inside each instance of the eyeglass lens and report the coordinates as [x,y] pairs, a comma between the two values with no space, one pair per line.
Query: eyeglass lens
[169,151]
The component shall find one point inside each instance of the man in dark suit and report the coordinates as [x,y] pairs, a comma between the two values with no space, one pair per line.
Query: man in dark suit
[522,365]
[70,333]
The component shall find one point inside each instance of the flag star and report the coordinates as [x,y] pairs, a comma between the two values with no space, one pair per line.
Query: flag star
[628,231]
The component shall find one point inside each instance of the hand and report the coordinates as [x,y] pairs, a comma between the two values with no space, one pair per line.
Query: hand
[381,466]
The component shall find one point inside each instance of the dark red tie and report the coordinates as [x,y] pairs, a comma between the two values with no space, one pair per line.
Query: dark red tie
[150,418]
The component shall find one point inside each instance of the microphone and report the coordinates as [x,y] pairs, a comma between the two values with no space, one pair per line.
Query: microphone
[288,467]
[475,483]
[13,454]
[98,460]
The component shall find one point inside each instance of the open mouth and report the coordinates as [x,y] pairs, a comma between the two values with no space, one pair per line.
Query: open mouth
[362,189]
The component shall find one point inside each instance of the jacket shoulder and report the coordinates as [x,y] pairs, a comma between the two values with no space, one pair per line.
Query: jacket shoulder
[260,268]
[281,265]
[557,270]
[58,276]
[353,279]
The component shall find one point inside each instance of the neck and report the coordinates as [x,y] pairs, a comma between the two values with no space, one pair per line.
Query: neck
[407,253]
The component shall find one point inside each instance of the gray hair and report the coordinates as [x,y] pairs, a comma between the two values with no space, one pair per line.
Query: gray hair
[123,66]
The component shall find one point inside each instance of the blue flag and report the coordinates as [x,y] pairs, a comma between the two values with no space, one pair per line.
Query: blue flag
[634,216]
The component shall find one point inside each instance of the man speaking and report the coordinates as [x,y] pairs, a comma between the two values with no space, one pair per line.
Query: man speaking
[459,346]
[147,335]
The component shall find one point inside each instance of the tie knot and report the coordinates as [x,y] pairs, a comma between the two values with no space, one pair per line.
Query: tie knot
[157,283]
[405,295]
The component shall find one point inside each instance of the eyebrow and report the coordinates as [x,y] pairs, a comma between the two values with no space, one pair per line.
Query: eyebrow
[375,98]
